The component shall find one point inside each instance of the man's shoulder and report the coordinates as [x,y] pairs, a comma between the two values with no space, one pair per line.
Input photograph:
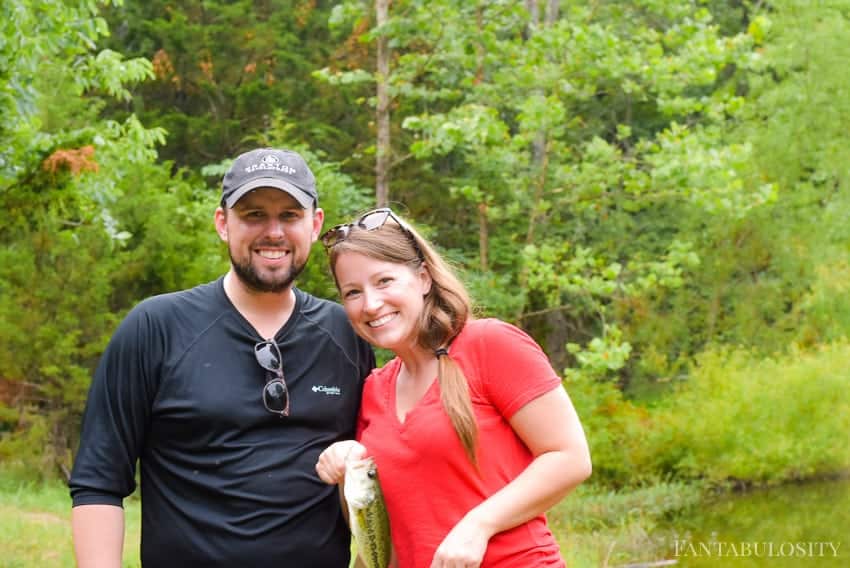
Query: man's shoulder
[173,318]
[191,303]
[202,294]
[321,310]
[327,318]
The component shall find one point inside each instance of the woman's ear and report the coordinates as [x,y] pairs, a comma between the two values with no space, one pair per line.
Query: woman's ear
[425,279]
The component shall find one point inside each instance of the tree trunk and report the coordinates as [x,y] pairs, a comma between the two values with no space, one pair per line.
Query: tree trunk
[539,147]
[483,230]
[539,155]
[533,19]
[382,162]
[552,12]
[483,237]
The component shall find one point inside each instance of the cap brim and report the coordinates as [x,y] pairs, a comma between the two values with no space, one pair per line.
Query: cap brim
[303,198]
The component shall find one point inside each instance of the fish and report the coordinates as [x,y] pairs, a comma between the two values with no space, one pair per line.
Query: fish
[367,512]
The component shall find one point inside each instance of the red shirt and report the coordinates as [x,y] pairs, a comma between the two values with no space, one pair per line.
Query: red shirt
[428,482]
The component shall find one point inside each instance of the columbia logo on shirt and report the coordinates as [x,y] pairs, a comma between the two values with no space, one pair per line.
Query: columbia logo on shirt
[327,390]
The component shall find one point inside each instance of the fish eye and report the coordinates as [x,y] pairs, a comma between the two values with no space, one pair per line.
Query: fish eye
[372,473]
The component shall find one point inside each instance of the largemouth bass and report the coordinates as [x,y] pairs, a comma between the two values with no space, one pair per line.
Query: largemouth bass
[367,513]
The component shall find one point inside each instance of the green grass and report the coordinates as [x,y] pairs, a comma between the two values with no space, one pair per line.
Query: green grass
[590,525]
[599,527]
[595,527]
[35,525]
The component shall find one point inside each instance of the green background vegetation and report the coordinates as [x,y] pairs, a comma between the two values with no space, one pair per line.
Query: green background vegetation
[657,190]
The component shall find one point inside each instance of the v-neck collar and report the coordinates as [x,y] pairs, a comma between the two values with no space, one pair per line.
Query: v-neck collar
[392,396]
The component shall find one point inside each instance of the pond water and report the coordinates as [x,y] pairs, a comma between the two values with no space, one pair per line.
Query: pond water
[797,525]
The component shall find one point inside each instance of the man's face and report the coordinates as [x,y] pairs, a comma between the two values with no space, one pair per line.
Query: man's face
[268,236]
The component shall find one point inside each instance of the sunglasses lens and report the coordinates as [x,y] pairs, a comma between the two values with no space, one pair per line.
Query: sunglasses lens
[335,235]
[267,356]
[374,220]
[275,396]
[371,221]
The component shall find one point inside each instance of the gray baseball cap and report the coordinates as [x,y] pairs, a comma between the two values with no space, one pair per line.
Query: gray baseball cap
[269,167]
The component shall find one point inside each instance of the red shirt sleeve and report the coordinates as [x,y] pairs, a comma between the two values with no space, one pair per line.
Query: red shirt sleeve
[507,367]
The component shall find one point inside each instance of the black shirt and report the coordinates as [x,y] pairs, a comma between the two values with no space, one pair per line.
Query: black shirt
[224,482]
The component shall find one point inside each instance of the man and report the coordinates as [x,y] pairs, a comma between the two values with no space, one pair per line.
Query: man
[226,394]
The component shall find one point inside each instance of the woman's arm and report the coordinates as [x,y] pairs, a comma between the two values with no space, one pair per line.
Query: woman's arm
[550,428]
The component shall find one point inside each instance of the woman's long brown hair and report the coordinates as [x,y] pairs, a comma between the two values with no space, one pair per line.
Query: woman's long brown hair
[447,309]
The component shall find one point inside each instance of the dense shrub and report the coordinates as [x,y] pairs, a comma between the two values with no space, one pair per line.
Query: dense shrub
[738,417]
[761,420]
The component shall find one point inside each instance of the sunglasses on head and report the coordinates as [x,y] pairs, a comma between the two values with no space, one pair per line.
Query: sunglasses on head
[369,221]
[275,393]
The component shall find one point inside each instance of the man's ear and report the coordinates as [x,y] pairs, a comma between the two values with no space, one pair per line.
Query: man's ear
[221,223]
[318,222]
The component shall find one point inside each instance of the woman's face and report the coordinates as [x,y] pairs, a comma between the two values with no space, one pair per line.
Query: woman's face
[383,300]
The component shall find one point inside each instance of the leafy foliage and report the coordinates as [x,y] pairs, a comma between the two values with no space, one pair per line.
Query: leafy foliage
[764,421]
[81,211]
[222,70]
[774,419]
[642,185]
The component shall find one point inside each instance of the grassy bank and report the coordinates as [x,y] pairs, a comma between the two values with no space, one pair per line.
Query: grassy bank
[35,525]
[596,527]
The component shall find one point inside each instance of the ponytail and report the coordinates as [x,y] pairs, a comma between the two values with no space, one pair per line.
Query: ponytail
[454,396]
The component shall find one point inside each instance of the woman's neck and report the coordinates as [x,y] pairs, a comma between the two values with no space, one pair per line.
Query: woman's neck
[418,364]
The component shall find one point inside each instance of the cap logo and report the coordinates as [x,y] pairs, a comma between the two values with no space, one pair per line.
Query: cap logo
[271,162]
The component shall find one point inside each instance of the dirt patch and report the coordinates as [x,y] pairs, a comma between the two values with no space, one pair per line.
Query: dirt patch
[11,391]
[47,518]
[35,517]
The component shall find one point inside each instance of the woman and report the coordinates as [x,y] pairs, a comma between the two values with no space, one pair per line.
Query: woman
[472,433]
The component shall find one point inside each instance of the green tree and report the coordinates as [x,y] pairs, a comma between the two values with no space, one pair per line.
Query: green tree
[778,275]
[568,145]
[223,69]
[82,219]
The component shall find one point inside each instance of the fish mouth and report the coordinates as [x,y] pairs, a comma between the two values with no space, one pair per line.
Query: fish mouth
[362,501]
[360,488]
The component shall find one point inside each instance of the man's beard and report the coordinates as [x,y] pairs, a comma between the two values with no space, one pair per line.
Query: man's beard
[249,277]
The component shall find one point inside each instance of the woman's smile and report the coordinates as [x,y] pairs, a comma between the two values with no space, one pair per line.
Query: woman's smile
[382,320]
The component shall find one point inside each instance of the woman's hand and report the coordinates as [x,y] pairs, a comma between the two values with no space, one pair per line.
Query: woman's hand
[331,464]
[464,546]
